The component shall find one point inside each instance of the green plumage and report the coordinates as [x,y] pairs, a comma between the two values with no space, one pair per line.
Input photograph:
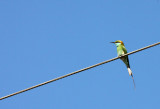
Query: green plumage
[121,50]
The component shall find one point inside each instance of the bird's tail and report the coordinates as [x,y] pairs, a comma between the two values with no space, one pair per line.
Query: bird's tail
[131,74]
[129,71]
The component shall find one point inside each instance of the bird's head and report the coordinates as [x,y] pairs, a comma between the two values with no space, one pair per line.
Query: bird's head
[118,42]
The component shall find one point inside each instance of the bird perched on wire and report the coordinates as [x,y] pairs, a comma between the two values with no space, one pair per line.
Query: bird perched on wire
[121,50]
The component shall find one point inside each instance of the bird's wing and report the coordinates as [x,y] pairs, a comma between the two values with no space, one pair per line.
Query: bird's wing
[124,49]
[127,61]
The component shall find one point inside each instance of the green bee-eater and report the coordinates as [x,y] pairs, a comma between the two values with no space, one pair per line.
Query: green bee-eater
[121,50]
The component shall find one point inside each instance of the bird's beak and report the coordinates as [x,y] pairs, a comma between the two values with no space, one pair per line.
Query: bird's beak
[112,42]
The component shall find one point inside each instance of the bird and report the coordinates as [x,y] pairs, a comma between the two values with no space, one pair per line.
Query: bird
[121,50]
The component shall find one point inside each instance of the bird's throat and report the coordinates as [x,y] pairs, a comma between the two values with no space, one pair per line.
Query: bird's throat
[117,44]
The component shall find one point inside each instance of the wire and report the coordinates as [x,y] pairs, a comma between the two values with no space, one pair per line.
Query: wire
[58,78]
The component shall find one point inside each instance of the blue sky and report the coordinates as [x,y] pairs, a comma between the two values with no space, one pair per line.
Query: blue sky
[41,40]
